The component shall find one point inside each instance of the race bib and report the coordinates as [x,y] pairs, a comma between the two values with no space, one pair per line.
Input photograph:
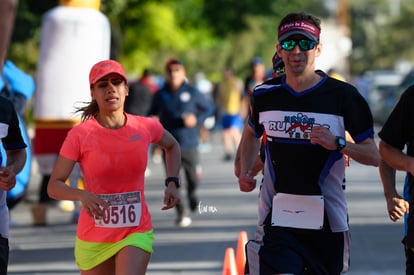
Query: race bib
[124,210]
[298,211]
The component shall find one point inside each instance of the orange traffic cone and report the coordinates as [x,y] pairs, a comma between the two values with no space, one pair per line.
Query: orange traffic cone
[241,252]
[229,265]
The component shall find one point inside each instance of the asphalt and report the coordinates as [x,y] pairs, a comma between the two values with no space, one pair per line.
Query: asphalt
[223,213]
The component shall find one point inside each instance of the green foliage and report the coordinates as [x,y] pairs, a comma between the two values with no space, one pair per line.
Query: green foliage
[401,41]
[146,33]
[379,37]
[26,33]
[209,34]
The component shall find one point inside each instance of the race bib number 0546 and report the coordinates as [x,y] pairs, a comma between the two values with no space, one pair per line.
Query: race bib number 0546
[124,210]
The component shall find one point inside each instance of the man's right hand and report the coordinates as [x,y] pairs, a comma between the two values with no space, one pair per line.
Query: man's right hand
[397,207]
[247,182]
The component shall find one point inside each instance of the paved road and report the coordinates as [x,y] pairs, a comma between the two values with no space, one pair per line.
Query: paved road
[223,213]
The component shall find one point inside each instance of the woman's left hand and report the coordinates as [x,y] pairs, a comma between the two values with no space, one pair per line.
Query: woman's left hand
[171,197]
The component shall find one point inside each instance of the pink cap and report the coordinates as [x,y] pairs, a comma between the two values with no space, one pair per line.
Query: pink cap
[299,27]
[104,68]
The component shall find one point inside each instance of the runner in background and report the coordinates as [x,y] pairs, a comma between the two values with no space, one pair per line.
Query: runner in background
[182,109]
[257,75]
[230,95]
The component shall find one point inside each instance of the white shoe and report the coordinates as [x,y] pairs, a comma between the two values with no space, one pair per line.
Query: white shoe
[147,172]
[157,159]
[184,222]
[67,206]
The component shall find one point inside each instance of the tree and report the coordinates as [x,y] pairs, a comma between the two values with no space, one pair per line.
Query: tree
[380,38]
[205,34]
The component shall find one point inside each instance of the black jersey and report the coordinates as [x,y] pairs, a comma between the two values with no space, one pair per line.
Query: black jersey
[398,131]
[10,134]
[287,117]
[11,139]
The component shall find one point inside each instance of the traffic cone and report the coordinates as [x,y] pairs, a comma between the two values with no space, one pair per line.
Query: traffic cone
[229,265]
[241,252]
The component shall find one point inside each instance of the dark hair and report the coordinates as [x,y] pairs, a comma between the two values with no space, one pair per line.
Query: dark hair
[91,108]
[147,72]
[301,16]
[88,111]
[171,62]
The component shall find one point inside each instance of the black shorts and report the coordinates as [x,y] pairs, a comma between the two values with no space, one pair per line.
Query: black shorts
[409,258]
[303,251]
[4,254]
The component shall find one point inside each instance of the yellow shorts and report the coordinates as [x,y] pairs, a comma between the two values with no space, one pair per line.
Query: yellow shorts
[90,254]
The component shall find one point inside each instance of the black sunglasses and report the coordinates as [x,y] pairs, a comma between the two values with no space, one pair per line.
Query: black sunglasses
[304,44]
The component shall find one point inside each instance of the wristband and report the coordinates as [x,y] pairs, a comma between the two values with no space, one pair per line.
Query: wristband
[176,180]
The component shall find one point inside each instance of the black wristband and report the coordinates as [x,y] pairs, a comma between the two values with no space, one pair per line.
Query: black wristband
[176,180]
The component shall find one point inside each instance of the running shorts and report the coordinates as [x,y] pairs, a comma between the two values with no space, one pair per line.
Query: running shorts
[4,254]
[229,121]
[303,251]
[90,254]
